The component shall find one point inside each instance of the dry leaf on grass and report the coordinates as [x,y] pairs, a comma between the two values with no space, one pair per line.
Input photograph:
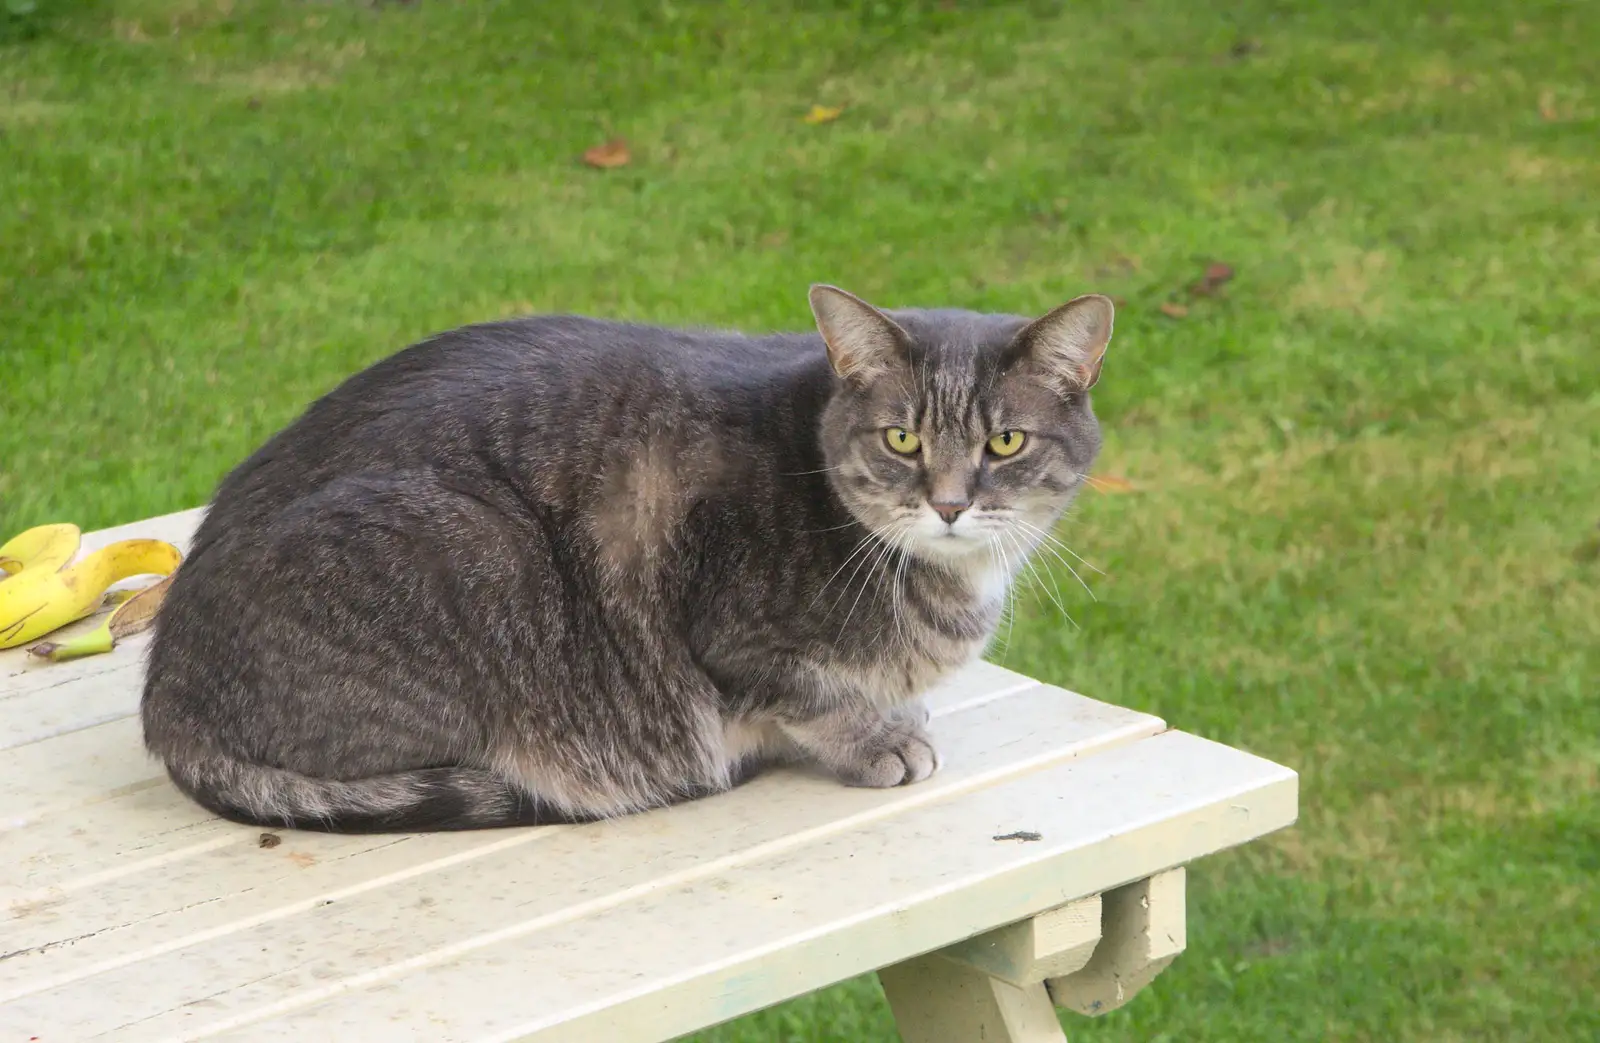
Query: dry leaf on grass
[1174,310]
[1216,274]
[1241,49]
[613,153]
[1547,107]
[1588,550]
[1111,483]
[823,114]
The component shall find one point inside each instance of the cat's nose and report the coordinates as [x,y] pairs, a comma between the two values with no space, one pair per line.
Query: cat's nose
[949,511]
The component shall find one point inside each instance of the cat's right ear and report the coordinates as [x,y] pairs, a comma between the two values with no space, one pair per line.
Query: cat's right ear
[1068,344]
[862,341]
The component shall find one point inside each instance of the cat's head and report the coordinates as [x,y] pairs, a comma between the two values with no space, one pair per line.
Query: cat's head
[953,433]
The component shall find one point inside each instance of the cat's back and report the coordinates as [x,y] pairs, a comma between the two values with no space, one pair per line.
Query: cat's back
[491,395]
[554,365]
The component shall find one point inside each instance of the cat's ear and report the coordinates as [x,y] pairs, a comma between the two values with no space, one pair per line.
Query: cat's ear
[862,341]
[1068,344]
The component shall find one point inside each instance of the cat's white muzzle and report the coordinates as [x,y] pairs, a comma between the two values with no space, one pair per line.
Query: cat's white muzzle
[933,536]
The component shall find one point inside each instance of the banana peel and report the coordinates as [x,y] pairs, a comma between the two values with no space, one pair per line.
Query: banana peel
[41,547]
[44,593]
[134,613]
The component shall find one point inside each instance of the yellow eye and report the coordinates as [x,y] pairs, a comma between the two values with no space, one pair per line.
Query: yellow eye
[901,440]
[1007,443]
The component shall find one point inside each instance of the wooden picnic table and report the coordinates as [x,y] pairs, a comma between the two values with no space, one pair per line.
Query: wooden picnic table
[1042,867]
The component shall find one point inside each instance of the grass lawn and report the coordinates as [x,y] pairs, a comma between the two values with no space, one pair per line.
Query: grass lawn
[1362,532]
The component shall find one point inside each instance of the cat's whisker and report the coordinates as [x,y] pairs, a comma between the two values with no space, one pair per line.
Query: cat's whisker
[885,549]
[866,541]
[1068,566]
[1053,539]
[1053,592]
[1034,584]
[876,544]
[897,589]
[831,528]
[1008,602]
[1063,561]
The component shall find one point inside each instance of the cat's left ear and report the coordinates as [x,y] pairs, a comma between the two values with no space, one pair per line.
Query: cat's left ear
[1068,344]
[862,341]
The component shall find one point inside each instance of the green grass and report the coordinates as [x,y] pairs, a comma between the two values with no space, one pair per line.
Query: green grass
[1363,538]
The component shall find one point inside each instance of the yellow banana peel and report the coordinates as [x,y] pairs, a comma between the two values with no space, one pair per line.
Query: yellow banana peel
[38,599]
[41,547]
[135,612]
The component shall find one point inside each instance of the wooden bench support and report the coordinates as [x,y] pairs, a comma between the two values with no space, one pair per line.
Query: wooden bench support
[1089,956]
[936,1000]
[1053,944]
[1144,929]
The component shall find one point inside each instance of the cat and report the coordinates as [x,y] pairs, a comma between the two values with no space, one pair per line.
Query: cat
[556,569]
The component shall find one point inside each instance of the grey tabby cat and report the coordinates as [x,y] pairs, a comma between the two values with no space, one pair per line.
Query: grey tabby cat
[557,569]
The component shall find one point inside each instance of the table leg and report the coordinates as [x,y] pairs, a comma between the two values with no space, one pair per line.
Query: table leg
[938,1001]
[1090,956]
[1143,929]
[992,987]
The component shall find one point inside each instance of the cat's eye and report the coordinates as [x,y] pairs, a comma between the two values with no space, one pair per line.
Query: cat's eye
[901,441]
[1007,443]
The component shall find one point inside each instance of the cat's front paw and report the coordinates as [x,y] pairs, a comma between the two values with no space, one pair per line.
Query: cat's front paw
[902,757]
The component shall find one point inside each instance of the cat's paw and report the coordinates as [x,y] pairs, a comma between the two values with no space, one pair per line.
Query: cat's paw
[903,757]
[912,715]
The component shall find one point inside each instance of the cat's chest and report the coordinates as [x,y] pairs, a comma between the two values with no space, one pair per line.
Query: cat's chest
[945,631]
[892,679]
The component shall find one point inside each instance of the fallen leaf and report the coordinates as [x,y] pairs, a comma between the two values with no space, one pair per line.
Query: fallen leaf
[1216,274]
[1240,50]
[269,840]
[1174,310]
[823,114]
[1588,550]
[1547,106]
[1111,483]
[1122,264]
[613,153]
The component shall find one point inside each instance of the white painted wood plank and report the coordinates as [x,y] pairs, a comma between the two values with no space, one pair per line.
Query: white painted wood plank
[229,917]
[22,675]
[112,831]
[74,770]
[137,832]
[977,684]
[72,704]
[710,948]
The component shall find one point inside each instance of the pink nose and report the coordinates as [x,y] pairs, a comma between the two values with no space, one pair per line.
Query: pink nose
[949,511]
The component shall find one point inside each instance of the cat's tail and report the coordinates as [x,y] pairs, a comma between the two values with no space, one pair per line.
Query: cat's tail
[424,800]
